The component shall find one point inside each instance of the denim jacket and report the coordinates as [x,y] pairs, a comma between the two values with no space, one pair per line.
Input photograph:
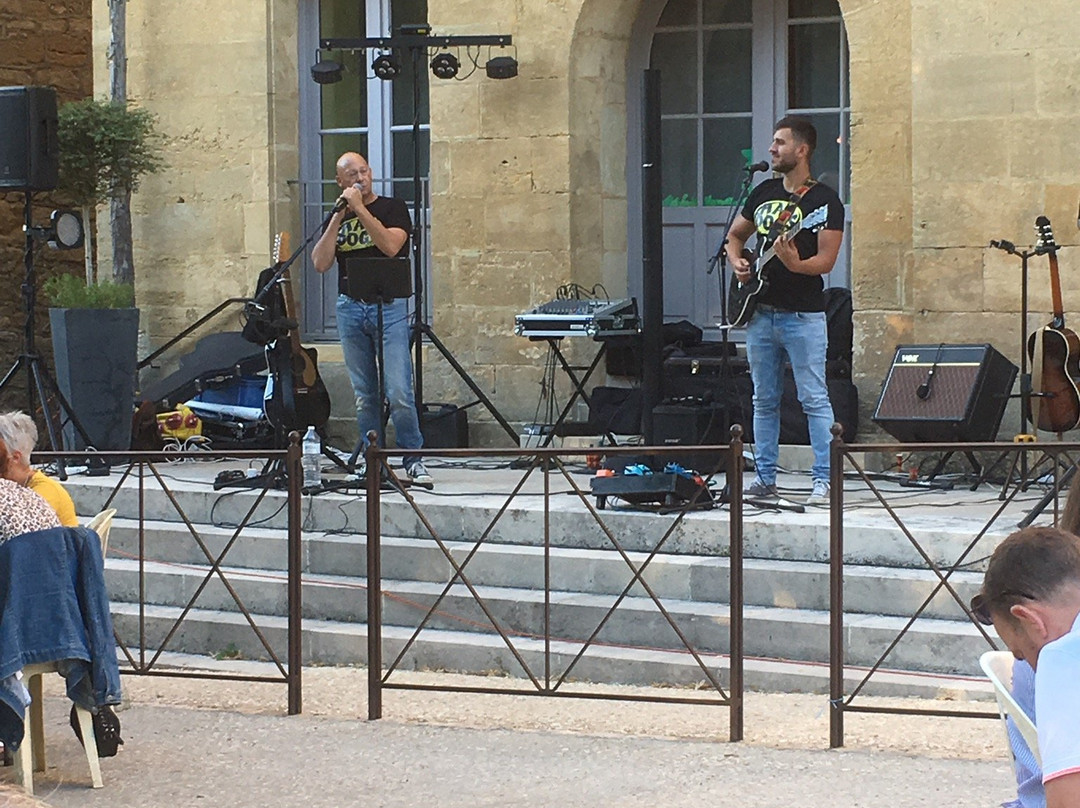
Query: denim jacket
[54,608]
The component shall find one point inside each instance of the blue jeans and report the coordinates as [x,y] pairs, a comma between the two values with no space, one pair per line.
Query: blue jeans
[801,336]
[358,328]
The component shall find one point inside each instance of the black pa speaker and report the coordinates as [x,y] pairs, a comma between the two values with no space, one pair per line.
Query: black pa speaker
[692,425]
[29,155]
[942,393]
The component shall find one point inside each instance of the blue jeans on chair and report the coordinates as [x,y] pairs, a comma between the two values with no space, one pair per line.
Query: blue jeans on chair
[773,335]
[357,325]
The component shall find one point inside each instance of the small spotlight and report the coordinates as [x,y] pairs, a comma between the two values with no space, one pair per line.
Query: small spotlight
[445,65]
[66,232]
[501,67]
[327,72]
[386,66]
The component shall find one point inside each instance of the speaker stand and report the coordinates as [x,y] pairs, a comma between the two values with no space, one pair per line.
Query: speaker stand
[1040,506]
[929,482]
[39,380]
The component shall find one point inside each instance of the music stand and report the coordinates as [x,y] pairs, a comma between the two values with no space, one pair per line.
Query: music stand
[378,280]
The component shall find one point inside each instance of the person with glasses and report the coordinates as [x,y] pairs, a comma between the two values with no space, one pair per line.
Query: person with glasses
[1031,595]
[367,225]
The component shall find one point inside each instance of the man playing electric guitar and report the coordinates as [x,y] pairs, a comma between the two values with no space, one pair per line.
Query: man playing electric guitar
[789,320]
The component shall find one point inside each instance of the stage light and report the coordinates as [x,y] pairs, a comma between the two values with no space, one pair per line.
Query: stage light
[445,65]
[501,67]
[328,72]
[386,66]
[67,230]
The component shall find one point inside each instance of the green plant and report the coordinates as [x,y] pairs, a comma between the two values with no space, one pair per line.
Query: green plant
[70,292]
[106,148]
[230,651]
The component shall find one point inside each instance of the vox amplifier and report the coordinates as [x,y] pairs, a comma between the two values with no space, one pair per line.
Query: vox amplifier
[941,393]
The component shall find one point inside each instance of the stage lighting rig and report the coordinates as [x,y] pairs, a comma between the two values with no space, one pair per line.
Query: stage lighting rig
[445,65]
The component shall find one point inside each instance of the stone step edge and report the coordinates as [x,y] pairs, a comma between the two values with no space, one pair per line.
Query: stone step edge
[758,671]
[564,598]
[755,564]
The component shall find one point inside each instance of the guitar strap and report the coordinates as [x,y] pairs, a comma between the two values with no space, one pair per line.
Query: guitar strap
[781,222]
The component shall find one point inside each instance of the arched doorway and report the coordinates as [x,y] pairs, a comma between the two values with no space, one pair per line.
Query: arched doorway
[729,69]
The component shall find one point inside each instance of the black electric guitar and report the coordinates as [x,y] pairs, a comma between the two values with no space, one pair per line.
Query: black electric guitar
[1055,354]
[299,397]
[743,296]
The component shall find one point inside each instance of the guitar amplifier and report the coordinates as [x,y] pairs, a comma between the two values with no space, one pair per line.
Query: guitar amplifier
[941,393]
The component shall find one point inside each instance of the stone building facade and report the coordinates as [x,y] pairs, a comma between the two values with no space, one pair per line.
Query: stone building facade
[962,123]
[44,43]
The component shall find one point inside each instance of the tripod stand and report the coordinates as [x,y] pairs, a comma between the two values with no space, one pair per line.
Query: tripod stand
[1027,394]
[39,380]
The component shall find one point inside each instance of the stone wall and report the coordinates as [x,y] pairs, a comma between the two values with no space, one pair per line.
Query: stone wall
[222,80]
[981,129]
[963,123]
[48,44]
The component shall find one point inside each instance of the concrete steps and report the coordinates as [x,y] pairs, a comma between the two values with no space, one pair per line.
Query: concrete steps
[786,586]
[332,643]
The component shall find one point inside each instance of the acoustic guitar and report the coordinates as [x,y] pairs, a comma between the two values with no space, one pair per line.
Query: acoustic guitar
[299,398]
[1055,354]
[743,297]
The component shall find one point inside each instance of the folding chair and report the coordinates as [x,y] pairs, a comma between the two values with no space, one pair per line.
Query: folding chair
[998,666]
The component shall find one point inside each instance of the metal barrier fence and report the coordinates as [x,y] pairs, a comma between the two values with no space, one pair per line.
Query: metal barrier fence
[142,472]
[1052,467]
[546,678]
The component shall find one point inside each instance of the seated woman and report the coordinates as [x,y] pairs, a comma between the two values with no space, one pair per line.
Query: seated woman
[19,433]
[21,510]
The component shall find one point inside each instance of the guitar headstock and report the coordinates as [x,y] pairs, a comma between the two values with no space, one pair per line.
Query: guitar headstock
[1044,236]
[281,246]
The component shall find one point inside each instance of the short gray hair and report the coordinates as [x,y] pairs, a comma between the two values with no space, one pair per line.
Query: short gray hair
[19,432]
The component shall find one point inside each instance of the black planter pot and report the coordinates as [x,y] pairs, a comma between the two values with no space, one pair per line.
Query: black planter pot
[95,352]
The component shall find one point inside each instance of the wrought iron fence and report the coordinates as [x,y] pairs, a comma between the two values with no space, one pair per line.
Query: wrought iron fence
[145,645]
[547,654]
[1031,467]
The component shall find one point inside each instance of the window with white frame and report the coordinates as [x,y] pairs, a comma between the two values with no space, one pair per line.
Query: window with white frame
[729,69]
[359,113]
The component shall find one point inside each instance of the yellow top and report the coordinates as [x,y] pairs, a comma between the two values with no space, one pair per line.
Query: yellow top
[53,493]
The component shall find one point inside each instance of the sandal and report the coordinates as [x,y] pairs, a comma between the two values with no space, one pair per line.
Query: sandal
[106,730]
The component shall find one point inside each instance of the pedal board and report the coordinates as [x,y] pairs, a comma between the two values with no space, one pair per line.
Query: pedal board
[665,488]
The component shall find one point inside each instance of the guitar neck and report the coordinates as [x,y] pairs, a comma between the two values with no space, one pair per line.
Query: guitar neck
[281,249]
[1055,291]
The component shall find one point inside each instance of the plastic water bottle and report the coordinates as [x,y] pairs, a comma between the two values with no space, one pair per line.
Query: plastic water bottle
[311,460]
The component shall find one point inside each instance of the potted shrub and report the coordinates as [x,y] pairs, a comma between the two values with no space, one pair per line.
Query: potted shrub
[95,333]
[105,150]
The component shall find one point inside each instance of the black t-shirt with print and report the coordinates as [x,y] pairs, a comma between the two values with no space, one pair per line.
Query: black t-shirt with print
[820,209]
[353,241]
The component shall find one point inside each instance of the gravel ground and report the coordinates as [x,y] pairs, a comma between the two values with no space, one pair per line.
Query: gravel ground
[226,743]
[778,720]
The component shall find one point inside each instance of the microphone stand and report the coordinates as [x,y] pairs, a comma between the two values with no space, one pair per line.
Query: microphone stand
[720,258]
[273,472]
[1026,392]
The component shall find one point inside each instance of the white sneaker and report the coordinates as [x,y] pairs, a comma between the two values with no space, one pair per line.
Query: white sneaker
[820,494]
[417,473]
[759,490]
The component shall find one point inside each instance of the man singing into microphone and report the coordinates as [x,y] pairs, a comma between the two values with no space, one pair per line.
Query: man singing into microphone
[789,322]
[365,225]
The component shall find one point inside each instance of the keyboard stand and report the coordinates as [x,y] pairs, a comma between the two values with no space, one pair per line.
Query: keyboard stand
[578,384]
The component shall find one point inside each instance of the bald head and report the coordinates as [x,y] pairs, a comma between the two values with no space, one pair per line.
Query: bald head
[353,169]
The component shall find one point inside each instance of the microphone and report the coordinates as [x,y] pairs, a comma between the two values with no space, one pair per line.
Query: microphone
[342,202]
[762,166]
